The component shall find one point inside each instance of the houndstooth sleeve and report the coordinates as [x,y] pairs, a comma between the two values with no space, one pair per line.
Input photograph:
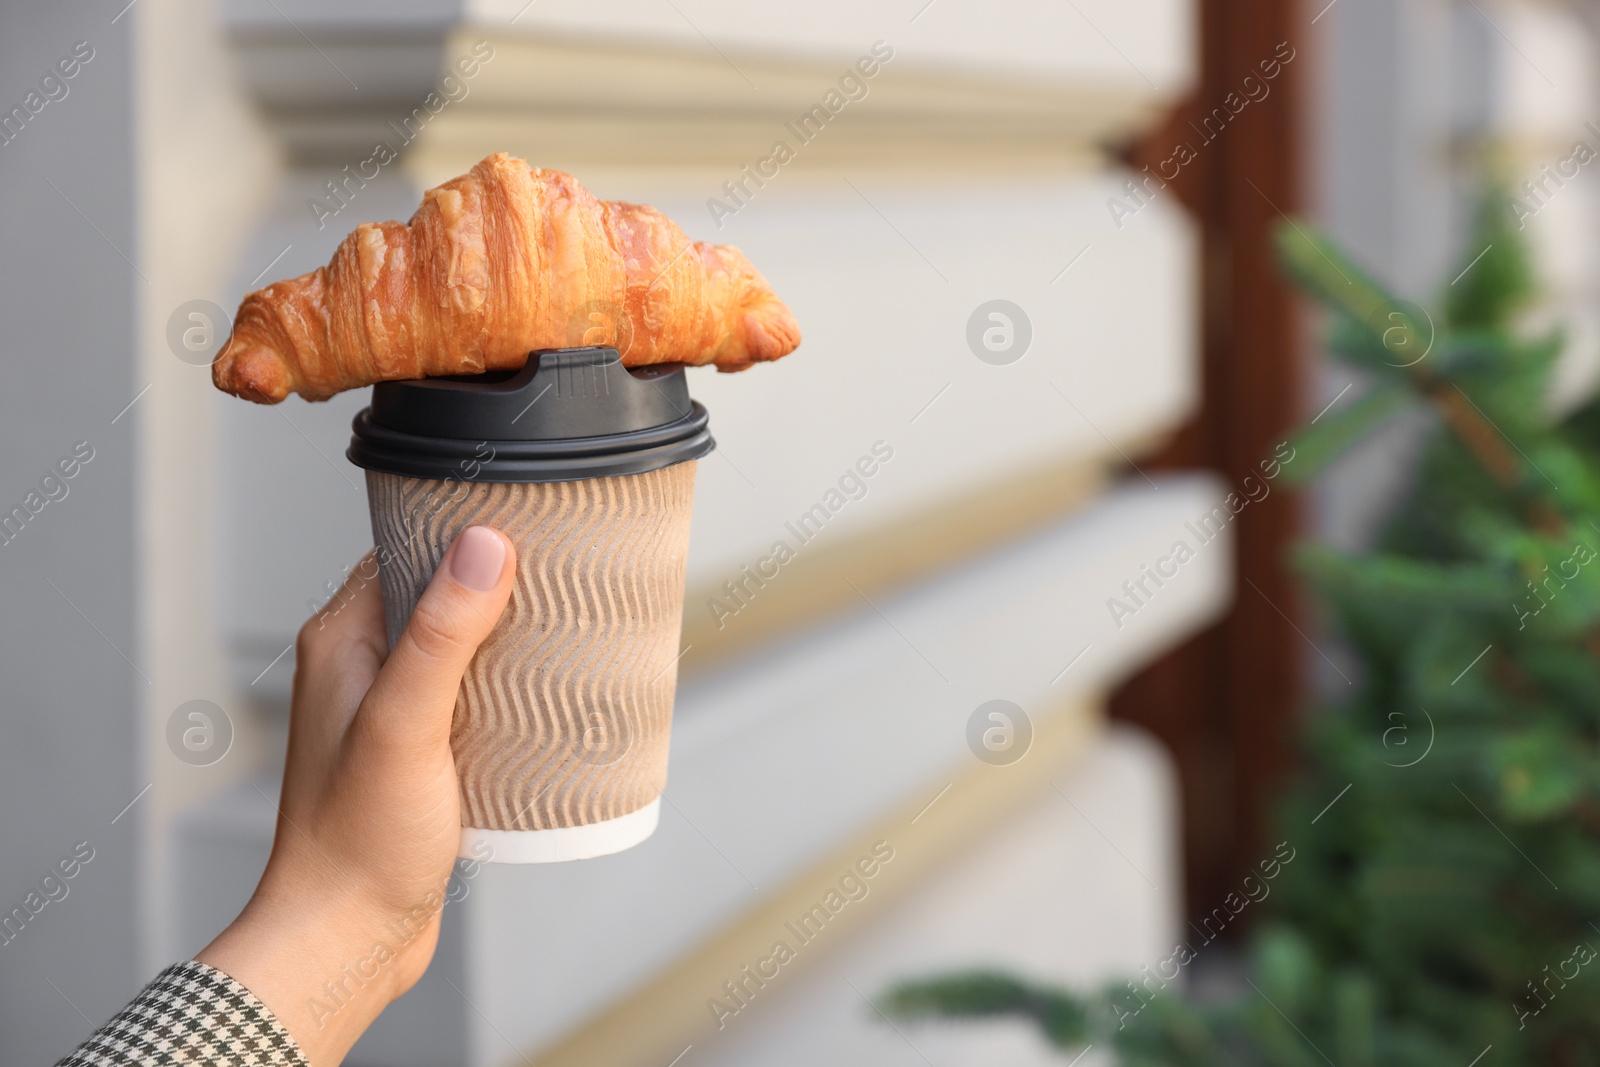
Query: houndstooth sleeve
[191,1015]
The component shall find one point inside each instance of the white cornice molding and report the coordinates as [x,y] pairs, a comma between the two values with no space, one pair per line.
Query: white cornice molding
[1144,43]
[333,88]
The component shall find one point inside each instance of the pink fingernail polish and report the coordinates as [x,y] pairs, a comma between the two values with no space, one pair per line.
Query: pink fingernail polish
[478,558]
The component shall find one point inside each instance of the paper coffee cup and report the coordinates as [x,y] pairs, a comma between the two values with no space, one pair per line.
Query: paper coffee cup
[562,723]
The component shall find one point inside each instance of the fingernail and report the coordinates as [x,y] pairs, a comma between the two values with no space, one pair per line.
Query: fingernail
[478,559]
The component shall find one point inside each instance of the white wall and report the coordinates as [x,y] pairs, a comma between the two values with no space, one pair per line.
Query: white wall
[1080,889]
[185,552]
[70,581]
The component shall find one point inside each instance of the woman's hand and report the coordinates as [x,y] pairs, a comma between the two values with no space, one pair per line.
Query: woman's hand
[346,916]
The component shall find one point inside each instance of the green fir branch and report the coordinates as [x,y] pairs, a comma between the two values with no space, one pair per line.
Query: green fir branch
[1061,1017]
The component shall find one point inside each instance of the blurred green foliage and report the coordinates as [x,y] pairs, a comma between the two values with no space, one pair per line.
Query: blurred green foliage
[1446,904]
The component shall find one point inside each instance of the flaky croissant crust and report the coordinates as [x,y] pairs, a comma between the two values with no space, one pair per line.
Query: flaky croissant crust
[506,259]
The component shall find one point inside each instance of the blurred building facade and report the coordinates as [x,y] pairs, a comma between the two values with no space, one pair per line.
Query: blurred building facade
[199,150]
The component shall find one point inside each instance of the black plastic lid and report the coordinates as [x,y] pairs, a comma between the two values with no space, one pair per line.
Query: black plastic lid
[570,413]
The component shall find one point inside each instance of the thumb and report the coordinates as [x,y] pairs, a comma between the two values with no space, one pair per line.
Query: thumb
[414,694]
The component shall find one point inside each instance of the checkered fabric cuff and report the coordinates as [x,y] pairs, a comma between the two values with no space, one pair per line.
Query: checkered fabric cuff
[191,1015]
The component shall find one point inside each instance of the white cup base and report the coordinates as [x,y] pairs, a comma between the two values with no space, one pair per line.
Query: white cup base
[562,843]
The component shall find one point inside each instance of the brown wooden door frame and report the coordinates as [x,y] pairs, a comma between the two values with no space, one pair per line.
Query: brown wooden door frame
[1225,701]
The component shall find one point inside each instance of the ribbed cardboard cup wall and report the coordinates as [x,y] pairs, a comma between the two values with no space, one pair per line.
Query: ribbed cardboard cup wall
[564,715]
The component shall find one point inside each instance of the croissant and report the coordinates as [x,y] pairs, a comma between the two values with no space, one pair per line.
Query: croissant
[501,261]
